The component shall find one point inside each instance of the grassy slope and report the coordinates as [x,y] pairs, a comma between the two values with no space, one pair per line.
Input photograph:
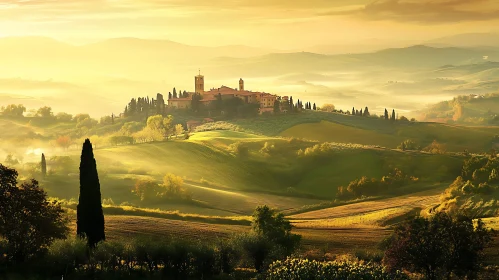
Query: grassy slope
[368,131]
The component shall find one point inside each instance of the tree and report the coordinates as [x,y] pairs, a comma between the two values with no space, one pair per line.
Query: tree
[161,125]
[28,221]
[174,93]
[393,115]
[179,130]
[386,114]
[360,113]
[315,108]
[275,227]
[43,166]
[196,102]
[170,96]
[14,110]
[44,112]
[366,112]
[89,215]
[277,107]
[438,246]
[63,141]
[327,107]
[64,117]
[291,103]
[145,189]
[353,110]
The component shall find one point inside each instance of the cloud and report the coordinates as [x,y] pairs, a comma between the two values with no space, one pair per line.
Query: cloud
[425,11]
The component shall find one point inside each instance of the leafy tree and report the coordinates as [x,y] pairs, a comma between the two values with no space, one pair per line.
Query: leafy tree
[64,117]
[403,119]
[277,107]
[408,145]
[14,110]
[327,107]
[145,189]
[89,215]
[63,141]
[129,128]
[275,227]
[28,221]
[160,124]
[43,165]
[435,148]
[179,130]
[44,112]
[196,102]
[438,246]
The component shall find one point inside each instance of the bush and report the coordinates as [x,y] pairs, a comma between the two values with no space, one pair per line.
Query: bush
[408,145]
[238,149]
[303,269]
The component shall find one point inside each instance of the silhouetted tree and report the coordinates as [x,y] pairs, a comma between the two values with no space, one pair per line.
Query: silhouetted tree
[439,246]
[393,115]
[29,222]
[366,112]
[291,104]
[360,113]
[386,114]
[196,102]
[353,110]
[170,95]
[43,166]
[277,107]
[315,107]
[174,93]
[89,215]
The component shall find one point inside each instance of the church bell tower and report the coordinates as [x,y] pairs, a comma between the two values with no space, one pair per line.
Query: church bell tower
[241,84]
[199,83]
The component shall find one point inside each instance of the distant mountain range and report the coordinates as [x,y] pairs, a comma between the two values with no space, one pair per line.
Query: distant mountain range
[123,67]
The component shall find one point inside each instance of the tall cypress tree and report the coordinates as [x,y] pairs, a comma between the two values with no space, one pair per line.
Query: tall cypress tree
[315,107]
[44,166]
[89,215]
[353,110]
[393,115]
[386,114]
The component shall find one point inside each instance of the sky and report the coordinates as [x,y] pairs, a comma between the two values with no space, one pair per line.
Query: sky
[281,24]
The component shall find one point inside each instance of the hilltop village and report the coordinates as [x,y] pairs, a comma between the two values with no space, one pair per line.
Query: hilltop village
[265,100]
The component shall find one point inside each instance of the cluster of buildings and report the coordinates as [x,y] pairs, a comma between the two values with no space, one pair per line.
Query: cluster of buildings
[266,100]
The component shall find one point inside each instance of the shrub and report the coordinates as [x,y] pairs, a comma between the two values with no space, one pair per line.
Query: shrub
[302,269]
[238,149]
[408,145]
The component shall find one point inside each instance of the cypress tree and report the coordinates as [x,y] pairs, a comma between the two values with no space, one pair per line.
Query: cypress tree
[360,113]
[386,114]
[291,103]
[393,115]
[44,166]
[174,93]
[353,110]
[89,215]
[112,118]
[315,108]
[366,112]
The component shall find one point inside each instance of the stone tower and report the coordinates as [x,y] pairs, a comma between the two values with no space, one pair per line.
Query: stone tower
[241,84]
[199,81]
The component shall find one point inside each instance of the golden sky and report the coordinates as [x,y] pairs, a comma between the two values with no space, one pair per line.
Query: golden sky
[284,24]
